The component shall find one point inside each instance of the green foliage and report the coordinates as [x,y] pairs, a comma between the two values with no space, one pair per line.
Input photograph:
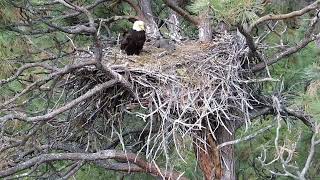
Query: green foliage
[10,90]
[198,6]
[300,75]
[230,11]
[190,166]
[97,173]
[310,99]
[8,13]
[93,172]
[249,167]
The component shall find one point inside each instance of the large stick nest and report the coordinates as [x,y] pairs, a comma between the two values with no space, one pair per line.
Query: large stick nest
[178,93]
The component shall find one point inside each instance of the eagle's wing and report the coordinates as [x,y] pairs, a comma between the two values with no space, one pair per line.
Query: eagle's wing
[125,41]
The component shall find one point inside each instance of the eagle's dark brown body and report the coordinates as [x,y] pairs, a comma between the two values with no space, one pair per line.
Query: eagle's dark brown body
[133,42]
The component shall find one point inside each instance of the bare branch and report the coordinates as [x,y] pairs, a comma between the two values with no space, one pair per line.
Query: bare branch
[89,7]
[25,67]
[249,137]
[62,109]
[40,82]
[260,66]
[102,155]
[182,12]
[305,118]
[312,150]
[300,12]
[73,170]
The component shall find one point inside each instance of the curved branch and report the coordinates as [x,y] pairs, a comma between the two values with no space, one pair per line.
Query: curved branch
[260,66]
[75,148]
[40,82]
[312,151]
[308,37]
[124,82]
[305,118]
[293,14]
[64,108]
[78,29]
[23,68]
[250,42]
[102,155]
[194,20]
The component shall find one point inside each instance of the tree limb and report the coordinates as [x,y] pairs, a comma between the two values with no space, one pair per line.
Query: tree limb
[305,118]
[260,66]
[312,151]
[40,82]
[102,155]
[25,67]
[194,20]
[62,109]
[300,12]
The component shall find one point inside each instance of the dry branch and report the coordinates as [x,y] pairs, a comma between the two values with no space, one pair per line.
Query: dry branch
[287,52]
[25,67]
[194,20]
[64,108]
[293,14]
[310,36]
[102,155]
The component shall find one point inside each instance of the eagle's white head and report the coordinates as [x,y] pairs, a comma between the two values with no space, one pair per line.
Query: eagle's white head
[138,26]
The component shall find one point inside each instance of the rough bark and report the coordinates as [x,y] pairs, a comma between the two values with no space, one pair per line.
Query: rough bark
[208,158]
[217,163]
[151,26]
[227,152]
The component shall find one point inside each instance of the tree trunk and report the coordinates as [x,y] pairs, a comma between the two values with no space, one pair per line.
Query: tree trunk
[174,25]
[217,163]
[202,21]
[208,157]
[205,27]
[227,152]
[151,26]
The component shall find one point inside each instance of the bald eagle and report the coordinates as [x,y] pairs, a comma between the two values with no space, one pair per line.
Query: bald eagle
[133,41]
